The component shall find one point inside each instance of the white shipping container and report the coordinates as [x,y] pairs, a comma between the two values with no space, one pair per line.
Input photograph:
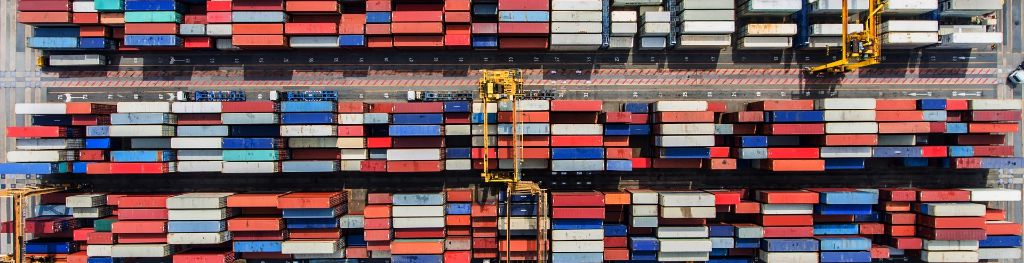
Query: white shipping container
[685,128]
[196,107]
[849,115]
[417,222]
[198,201]
[655,29]
[681,106]
[313,142]
[749,231]
[140,251]
[39,156]
[684,245]
[576,5]
[576,16]
[202,131]
[910,26]
[834,29]
[458,164]
[787,257]
[414,154]
[196,143]
[754,43]
[910,39]
[575,27]
[653,43]
[351,142]
[85,200]
[708,15]
[478,129]
[192,29]
[579,234]
[688,212]
[417,211]
[624,29]
[577,246]
[624,16]
[995,104]
[199,214]
[457,130]
[949,256]
[526,105]
[851,127]
[994,194]
[478,141]
[704,41]
[83,7]
[577,165]
[686,198]
[99,250]
[951,245]
[685,141]
[704,4]
[845,104]
[219,30]
[949,29]
[91,212]
[198,238]
[620,42]
[350,119]
[130,107]
[910,7]
[768,30]
[787,209]
[310,246]
[655,17]
[200,166]
[780,7]
[577,129]
[635,2]
[643,221]
[354,154]
[40,108]
[968,8]
[352,221]
[518,223]
[953,209]
[250,167]
[981,38]
[643,197]
[350,165]
[644,210]
[340,254]
[313,42]
[308,130]
[576,39]
[141,131]
[836,6]
[491,107]
[78,60]
[999,253]
[682,232]
[683,256]
[845,152]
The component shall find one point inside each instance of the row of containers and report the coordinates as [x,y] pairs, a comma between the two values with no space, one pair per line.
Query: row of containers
[557,136]
[463,225]
[574,25]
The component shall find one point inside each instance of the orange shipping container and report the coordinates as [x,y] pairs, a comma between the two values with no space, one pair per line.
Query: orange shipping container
[616,141]
[456,5]
[253,200]
[310,200]
[259,41]
[113,18]
[420,246]
[517,245]
[899,115]
[722,164]
[257,29]
[44,17]
[851,140]
[85,18]
[793,165]
[418,28]
[903,127]
[992,127]
[378,29]
[525,116]
[889,105]
[616,198]
[312,6]
[618,153]
[310,28]
[418,41]
[684,117]
[92,31]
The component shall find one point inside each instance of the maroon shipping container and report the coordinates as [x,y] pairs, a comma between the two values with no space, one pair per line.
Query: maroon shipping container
[524,29]
[951,234]
[248,106]
[572,199]
[990,139]
[658,163]
[1008,115]
[418,107]
[951,222]
[257,5]
[199,119]
[775,105]
[521,42]
[523,5]
[993,151]
[794,129]
[44,6]
[258,235]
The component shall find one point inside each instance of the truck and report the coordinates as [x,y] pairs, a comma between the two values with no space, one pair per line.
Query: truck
[72,60]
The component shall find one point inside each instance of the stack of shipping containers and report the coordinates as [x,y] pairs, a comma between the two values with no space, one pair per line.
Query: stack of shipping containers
[311,220]
[682,226]
[576,28]
[706,24]
[419,227]
[957,32]
[526,24]
[910,24]
[577,220]
[764,24]
[377,225]
[198,219]
[458,239]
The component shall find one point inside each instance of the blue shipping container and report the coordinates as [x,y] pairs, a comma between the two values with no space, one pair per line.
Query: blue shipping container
[614,230]
[639,129]
[789,245]
[458,153]
[795,116]
[33,168]
[1000,241]
[519,209]
[844,209]
[51,120]
[152,40]
[844,164]
[485,9]
[479,117]
[1001,163]
[53,42]
[956,127]
[721,231]
[685,153]
[961,151]
[580,153]
[141,156]
[836,229]
[848,197]
[459,208]
[378,17]
[414,130]
[484,41]
[79,167]
[752,141]
[100,260]
[616,130]
[152,5]
[619,165]
[643,244]
[52,210]
[417,118]
[576,224]
[458,106]
[257,246]
[307,106]
[249,143]
[747,243]
[845,243]
[351,40]
[846,256]
[310,223]
[517,198]
[175,226]
[255,131]
[56,247]
[915,162]
[308,118]
[93,43]
[896,152]
[313,212]
[636,107]
[417,259]
[593,257]
[56,31]
[97,131]
[931,104]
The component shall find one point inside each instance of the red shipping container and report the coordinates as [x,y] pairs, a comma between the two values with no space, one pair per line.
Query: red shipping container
[218,6]
[255,224]
[793,165]
[112,19]
[151,28]
[904,127]
[951,195]
[992,127]
[36,131]
[528,141]
[894,105]
[457,29]
[521,42]
[617,117]
[458,256]
[787,197]
[138,227]
[414,166]
[1005,115]
[257,29]
[488,28]
[572,199]
[933,151]
[85,18]
[976,139]
[378,198]
[906,242]
[788,231]
[457,41]
[951,234]
[419,41]
[527,153]
[142,214]
[377,235]
[910,115]
[309,28]
[871,228]
[900,218]
[576,105]
[785,220]
[218,17]
[576,140]
[525,117]
[485,243]
[199,118]
[141,238]
[373,166]
[993,151]
[44,5]
[419,233]
[457,17]
[258,5]
[745,116]
[314,233]
[951,222]
[312,6]
[310,200]
[458,195]
[879,252]
[82,234]
[619,153]
[378,142]
[483,210]
[356,252]
[418,107]
[92,31]
[253,200]
[684,117]
[616,254]
[100,238]
[379,42]
[136,168]
[794,129]
[616,141]
[995,214]
[378,223]
[792,153]
[1002,228]
[353,29]
[258,40]
[378,6]
[350,131]
[91,155]
[416,16]
[956,104]
[523,5]
[456,5]
[777,105]
[199,256]
[351,107]
[484,222]
[417,28]
[457,220]
[641,163]
[523,29]
[378,245]
[248,106]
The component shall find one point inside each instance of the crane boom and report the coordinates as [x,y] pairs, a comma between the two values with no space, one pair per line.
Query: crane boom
[859,49]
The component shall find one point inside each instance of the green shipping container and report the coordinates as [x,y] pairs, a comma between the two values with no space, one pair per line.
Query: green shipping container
[250,155]
[103,225]
[109,5]
[152,17]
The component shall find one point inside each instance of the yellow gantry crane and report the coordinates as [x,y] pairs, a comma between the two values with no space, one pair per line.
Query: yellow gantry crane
[19,195]
[859,49]
[505,86]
